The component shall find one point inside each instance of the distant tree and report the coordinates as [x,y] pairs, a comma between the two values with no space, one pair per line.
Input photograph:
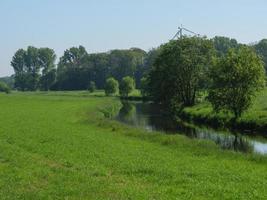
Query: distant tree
[121,63]
[148,63]
[76,66]
[144,87]
[139,56]
[18,64]
[112,86]
[9,80]
[127,85]
[223,44]
[177,71]
[73,69]
[99,70]
[261,49]
[150,59]
[4,88]
[47,58]
[91,86]
[47,80]
[32,68]
[126,63]
[235,80]
[27,65]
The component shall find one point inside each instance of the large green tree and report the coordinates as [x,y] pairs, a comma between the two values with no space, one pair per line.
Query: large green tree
[27,65]
[47,58]
[32,68]
[235,80]
[73,69]
[18,64]
[178,69]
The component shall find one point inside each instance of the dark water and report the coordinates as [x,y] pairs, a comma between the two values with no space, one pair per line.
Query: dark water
[151,117]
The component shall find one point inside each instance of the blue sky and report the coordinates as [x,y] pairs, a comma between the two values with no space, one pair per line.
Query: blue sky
[101,25]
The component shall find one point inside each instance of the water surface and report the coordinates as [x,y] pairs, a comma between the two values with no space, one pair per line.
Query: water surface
[152,118]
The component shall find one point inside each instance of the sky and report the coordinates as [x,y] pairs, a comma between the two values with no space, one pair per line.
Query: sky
[102,25]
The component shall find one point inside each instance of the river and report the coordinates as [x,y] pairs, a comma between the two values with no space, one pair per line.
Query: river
[150,117]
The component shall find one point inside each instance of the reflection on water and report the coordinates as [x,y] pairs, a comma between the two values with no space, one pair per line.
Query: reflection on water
[151,117]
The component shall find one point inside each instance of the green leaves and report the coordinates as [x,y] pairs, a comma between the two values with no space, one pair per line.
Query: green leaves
[4,88]
[112,86]
[127,85]
[27,65]
[235,80]
[178,70]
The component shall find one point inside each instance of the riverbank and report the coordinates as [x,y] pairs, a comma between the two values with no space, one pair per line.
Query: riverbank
[253,120]
[61,146]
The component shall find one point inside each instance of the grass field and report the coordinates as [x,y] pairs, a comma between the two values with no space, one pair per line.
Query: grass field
[254,119]
[58,145]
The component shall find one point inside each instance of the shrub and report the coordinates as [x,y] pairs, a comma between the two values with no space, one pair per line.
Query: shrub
[127,86]
[112,86]
[4,87]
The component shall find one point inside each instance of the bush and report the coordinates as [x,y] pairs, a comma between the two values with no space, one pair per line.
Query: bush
[4,88]
[91,86]
[127,86]
[112,86]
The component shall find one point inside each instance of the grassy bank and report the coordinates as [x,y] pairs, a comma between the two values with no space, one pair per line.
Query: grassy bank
[60,146]
[255,119]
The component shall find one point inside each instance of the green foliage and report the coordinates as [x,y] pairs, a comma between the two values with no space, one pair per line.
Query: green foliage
[72,73]
[144,87]
[9,80]
[223,44]
[4,88]
[35,68]
[235,80]
[27,65]
[47,58]
[99,68]
[76,66]
[261,49]
[179,68]
[112,86]
[127,85]
[91,86]
[255,118]
[127,63]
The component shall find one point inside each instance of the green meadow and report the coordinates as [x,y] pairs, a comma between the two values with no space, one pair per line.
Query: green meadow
[59,145]
[255,118]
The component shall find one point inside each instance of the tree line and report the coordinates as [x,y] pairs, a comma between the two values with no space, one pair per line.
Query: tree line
[36,69]
[187,68]
[175,74]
